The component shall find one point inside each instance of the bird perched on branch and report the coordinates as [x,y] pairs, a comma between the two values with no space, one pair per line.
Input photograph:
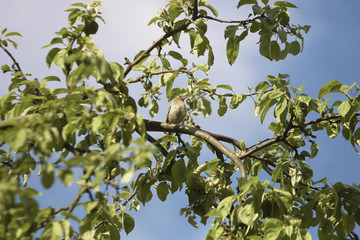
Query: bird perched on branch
[176,112]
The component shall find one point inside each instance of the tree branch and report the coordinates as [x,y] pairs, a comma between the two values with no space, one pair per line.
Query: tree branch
[138,79]
[260,146]
[195,10]
[322,119]
[13,121]
[242,22]
[154,45]
[168,127]
[76,199]
[129,198]
[14,60]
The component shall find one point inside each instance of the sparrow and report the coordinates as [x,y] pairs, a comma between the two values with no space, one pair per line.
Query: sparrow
[176,112]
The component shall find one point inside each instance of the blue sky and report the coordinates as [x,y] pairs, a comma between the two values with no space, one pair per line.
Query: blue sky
[331,52]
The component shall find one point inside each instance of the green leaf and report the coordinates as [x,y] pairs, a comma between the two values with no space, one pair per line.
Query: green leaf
[96,123]
[344,108]
[53,41]
[352,111]
[232,50]
[222,106]
[274,50]
[247,214]
[284,4]
[230,31]
[264,47]
[49,79]
[50,57]
[144,101]
[233,45]
[166,64]
[178,171]
[3,31]
[169,79]
[153,20]
[268,104]
[236,100]
[280,110]
[283,36]
[48,177]
[273,229]
[19,140]
[174,11]
[59,59]
[245,2]
[56,231]
[228,87]
[245,184]
[128,222]
[13,34]
[356,137]
[257,10]
[162,191]
[242,145]
[285,198]
[154,108]
[294,48]
[118,71]
[223,208]
[304,99]
[206,107]
[330,87]
[204,68]
[207,5]
[5,68]
[255,26]
[127,176]
[66,176]
[201,26]
[314,150]
[344,88]
[179,57]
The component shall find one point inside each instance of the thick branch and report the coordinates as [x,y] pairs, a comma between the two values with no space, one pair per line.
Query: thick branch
[156,144]
[167,127]
[13,121]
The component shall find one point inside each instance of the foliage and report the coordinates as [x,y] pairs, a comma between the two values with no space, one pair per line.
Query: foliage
[99,131]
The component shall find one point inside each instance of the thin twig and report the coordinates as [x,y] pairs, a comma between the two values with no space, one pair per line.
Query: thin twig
[14,60]
[76,199]
[156,44]
[60,210]
[260,146]
[129,198]
[243,22]
[138,79]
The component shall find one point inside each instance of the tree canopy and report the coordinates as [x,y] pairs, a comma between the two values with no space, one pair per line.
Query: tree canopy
[87,132]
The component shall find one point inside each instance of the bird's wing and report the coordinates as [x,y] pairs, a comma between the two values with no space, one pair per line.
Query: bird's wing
[167,114]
